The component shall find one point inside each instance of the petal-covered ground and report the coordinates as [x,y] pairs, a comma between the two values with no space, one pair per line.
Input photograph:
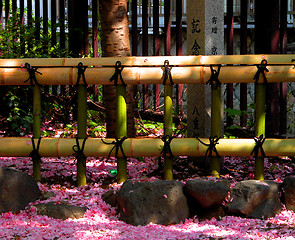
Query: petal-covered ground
[101,221]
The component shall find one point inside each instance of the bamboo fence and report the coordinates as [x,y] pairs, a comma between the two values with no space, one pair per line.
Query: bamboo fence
[148,70]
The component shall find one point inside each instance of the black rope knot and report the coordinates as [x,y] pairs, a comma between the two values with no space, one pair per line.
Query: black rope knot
[258,145]
[35,152]
[117,74]
[79,150]
[167,148]
[81,73]
[211,146]
[32,72]
[261,70]
[118,144]
[214,81]
[167,73]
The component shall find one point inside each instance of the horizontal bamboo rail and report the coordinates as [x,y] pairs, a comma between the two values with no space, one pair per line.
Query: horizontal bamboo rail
[272,59]
[149,70]
[138,147]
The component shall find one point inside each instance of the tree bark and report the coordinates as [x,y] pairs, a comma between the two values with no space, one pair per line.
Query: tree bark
[115,42]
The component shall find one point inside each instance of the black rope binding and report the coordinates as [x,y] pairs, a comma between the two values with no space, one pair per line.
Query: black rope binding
[211,146]
[32,72]
[35,152]
[117,74]
[118,144]
[214,81]
[258,145]
[79,150]
[167,148]
[261,70]
[167,73]
[81,73]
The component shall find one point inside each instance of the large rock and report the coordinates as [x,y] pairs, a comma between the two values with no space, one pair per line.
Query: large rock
[255,199]
[289,192]
[208,193]
[160,202]
[60,211]
[17,190]
[205,197]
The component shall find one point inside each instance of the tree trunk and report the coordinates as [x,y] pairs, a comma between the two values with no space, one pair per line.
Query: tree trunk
[115,42]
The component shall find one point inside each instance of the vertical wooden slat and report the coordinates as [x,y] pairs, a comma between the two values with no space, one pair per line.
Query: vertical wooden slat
[243,50]
[95,28]
[45,31]
[283,50]
[37,19]
[62,33]
[1,14]
[53,23]
[30,12]
[45,17]
[22,11]
[167,28]
[156,48]
[179,87]
[145,25]
[145,49]
[14,6]
[156,27]
[134,28]
[85,28]
[62,24]
[95,38]
[53,34]
[7,9]
[230,38]
[29,20]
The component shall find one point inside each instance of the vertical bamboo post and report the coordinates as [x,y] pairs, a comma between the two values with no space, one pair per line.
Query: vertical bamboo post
[36,129]
[82,132]
[259,126]
[168,122]
[121,129]
[215,124]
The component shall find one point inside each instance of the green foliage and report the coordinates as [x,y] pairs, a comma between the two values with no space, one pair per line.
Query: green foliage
[18,118]
[18,40]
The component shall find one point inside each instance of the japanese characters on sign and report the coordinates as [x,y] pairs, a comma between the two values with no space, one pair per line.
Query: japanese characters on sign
[195,50]
[214,30]
[196,26]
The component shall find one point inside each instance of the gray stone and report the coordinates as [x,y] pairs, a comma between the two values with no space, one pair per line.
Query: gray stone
[160,202]
[46,195]
[289,192]
[110,197]
[255,199]
[60,211]
[208,193]
[17,190]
